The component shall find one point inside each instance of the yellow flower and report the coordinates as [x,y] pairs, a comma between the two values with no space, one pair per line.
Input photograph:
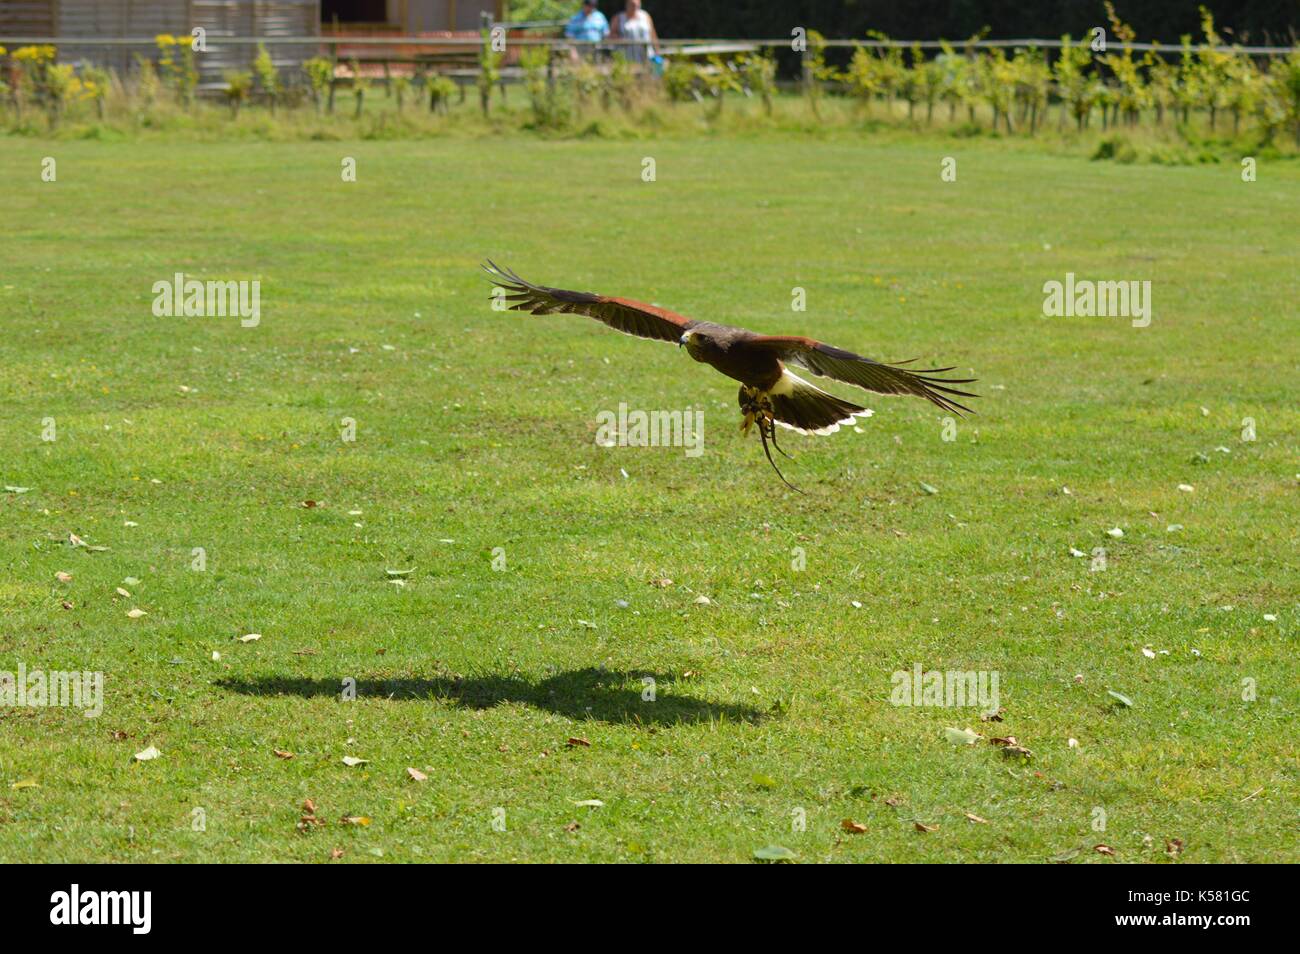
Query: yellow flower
[165,40]
[34,54]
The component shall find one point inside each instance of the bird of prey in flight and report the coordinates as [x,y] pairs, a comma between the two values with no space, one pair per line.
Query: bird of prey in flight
[770,394]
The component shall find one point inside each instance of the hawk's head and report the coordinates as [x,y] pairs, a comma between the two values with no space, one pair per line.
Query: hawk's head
[697,343]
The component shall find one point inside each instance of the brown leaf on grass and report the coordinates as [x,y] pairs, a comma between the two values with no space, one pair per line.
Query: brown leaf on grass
[854,828]
[571,827]
[1106,850]
[662,582]
[893,801]
[120,736]
[309,820]
[416,775]
[575,741]
[282,754]
[1008,740]
[336,854]
[920,827]
[354,820]
[309,504]
[66,605]
[1173,847]
[63,577]
[1017,752]
[975,818]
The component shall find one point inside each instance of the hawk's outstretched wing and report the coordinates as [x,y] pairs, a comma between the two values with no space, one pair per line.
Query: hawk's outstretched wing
[622,314]
[841,365]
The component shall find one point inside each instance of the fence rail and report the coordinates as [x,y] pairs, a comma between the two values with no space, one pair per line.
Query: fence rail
[667,44]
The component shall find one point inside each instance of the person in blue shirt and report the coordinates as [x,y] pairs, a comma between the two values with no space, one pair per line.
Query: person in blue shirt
[588,24]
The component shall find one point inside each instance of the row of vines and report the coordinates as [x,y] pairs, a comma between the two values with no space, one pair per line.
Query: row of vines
[1022,91]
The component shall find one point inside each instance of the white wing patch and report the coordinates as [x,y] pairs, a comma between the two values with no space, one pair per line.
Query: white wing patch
[786,386]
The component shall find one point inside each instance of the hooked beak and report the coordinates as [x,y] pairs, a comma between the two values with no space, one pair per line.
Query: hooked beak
[682,340]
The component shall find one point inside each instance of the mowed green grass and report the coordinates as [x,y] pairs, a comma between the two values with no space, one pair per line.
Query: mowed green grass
[475,431]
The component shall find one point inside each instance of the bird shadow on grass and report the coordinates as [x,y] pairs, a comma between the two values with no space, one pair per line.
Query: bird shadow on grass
[589,693]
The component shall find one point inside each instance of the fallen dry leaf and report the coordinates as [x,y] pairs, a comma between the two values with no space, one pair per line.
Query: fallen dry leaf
[63,577]
[136,613]
[309,820]
[572,827]
[975,818]
[662,583]
[855,828]
[250,638]
[417,775]
[920,827]
[1008,740]
[282,754]
[336,854]
[1104,850]
[351,760]
[1173,847]
[893,801]
[577,741]
[354,820]
[147,755]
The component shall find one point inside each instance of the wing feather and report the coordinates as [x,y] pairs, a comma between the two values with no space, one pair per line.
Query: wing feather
[622,314]
[840,365]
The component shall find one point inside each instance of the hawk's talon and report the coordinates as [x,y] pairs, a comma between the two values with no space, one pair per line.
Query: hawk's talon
[757,407]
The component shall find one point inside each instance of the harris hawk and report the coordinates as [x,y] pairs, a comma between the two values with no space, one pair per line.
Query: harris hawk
[770,394]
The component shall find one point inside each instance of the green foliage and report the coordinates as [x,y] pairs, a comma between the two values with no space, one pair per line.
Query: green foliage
[681,78]
[440,89]
[267,75]
[547,98]
[239,85]
[1010,91]
[489,71]
[521,10]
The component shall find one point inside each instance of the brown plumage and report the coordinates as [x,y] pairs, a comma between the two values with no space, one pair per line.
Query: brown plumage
[770,394]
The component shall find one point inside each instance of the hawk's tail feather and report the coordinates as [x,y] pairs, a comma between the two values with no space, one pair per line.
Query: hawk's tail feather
[806,408]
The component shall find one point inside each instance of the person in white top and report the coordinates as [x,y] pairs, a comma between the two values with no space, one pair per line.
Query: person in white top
[635,24]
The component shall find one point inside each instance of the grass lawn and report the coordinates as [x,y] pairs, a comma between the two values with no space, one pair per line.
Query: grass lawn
[474,443]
